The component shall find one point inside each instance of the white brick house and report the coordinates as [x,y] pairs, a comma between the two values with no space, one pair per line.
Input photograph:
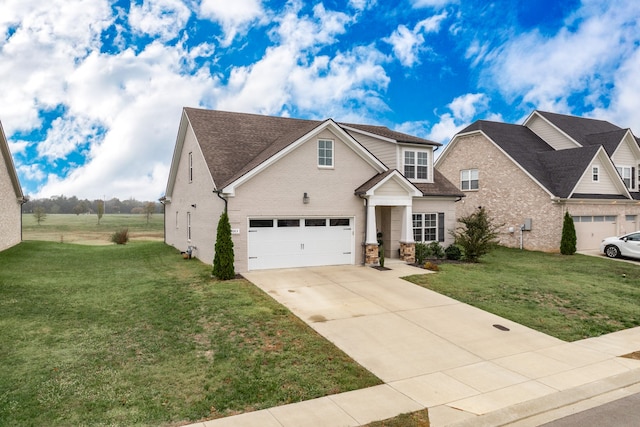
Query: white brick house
[11,198]
[303,192]
[537,171]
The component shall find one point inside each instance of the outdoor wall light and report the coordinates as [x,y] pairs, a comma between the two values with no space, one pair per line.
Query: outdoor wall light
[193,205]
[305,198]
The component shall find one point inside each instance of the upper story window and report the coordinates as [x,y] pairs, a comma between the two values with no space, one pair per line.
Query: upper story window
[325,153]
[416,164]
[595,174]
[627,174]
[469,179]
[190,167]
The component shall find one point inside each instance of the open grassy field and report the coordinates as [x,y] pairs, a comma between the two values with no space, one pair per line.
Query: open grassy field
[569,297]
[85,229]
[136,335]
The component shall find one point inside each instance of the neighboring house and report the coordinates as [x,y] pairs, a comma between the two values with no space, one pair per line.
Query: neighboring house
[303,192]
[11,198]
[530,175]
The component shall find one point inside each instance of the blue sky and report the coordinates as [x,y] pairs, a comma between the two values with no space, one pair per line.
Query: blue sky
[93,90]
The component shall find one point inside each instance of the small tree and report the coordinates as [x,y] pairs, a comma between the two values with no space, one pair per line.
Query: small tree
[568,241]
[100,206]
[380,249]
[477,236]
[149,209]
[79,208]
[223,259]
[39,214]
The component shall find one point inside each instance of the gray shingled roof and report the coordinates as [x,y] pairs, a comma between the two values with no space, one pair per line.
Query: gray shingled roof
[558,171]
[440,186]
[564,168]
[235,143]
[391,134]
[373,181]
[579,128]
[609,140]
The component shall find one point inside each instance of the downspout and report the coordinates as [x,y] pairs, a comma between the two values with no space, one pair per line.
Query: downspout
[366,221]
[223,199]
[22,200]
[163,201]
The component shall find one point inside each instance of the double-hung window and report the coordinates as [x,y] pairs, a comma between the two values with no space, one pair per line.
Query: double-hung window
[416,164]
[469,179]
[425,227]
[189,226]
[190,167]
[627,175]
[595,174]
[325,153]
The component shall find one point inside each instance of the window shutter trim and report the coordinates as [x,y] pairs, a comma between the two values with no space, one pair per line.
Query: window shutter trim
[440,226]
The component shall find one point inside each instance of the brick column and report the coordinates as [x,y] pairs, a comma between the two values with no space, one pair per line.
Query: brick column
[371,254]
[408,252]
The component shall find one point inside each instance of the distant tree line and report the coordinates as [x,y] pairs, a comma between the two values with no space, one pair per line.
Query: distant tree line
[73,205]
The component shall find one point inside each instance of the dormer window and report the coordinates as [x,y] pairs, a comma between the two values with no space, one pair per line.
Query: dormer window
[416,165]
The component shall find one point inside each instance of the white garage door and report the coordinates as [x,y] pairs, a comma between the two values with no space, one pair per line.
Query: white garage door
[590,230]
[300,242]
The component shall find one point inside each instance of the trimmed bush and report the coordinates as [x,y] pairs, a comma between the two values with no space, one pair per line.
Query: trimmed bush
[453,252]
[223,267]
[435,250]
[421,253]
[569,239]
[121,236]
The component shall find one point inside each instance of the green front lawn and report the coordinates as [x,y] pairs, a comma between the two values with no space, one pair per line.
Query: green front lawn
[71,228]
[569,297]
[136,335]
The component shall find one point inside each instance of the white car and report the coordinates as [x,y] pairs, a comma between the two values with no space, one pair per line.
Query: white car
[627,246]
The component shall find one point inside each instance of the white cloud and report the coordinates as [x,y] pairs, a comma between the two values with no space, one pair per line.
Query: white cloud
[625,104]
[291,76]
[408,44]
[120,111]
[159,18]
[45,44]
[235,16]
[462,110]
[141,117]
[67,134]
[32,172]
[583,58]
[436,4]
[18,147]
[362,4]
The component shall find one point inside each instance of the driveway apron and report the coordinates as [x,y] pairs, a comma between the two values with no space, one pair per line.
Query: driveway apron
[456,360]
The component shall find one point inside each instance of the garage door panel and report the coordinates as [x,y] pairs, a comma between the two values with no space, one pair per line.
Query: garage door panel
[590,230]
[315,242]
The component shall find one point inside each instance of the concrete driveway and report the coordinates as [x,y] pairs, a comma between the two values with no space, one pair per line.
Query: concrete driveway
[456,360]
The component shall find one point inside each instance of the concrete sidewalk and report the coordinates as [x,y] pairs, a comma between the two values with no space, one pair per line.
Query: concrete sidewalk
[469,367]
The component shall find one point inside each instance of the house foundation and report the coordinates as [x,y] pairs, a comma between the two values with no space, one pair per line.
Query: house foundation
[371,254]
[408,252]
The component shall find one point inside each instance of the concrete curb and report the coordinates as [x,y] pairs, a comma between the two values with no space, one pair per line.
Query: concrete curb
[548,408]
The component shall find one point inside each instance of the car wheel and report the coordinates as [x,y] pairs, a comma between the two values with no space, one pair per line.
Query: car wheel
[612,251]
